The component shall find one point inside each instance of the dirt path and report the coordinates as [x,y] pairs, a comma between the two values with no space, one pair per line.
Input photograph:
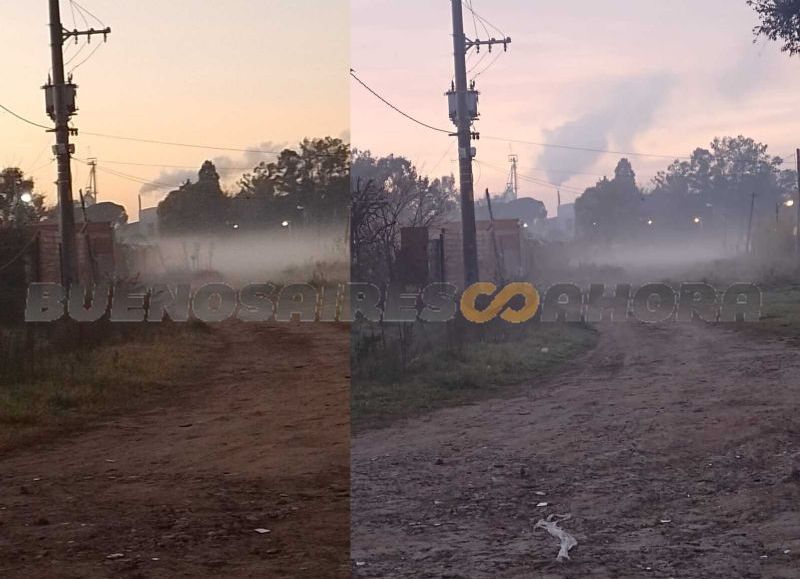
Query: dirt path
[262,442]
[675,449]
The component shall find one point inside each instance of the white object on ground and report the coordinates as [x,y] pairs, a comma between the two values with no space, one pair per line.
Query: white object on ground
[261,531]
[567,540]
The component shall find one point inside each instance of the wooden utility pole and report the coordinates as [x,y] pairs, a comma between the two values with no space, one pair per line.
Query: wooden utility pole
[498,255]
[465,113]
[60,93]
[748,249]
[469,234]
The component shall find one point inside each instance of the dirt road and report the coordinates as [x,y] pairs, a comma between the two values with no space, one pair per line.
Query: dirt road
[675,449]
[262,442]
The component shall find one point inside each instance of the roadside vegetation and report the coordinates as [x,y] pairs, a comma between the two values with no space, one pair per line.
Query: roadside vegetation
[780,315]
[55,379]
[405,370]
[778,280]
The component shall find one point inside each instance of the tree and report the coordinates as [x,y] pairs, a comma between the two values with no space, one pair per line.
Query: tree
[308,186]
[20,205]
[388,195]
[780,20]
[199,207]
[713,191]
[610,211]
[717,184]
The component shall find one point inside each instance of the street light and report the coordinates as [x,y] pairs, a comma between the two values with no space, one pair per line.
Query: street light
[26,198]
[285,224]
[697,221]
[649,221]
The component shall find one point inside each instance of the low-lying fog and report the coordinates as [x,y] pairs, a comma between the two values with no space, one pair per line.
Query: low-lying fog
[281,256]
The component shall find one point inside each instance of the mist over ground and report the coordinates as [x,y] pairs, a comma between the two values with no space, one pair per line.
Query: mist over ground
[276,256]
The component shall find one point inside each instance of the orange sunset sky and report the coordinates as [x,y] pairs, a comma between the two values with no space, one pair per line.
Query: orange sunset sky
[648,77]
[240,73]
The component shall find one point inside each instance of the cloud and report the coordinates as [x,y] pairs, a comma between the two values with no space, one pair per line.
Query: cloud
[626,111]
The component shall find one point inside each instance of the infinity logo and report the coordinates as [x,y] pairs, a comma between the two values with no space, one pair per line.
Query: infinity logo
[499,303]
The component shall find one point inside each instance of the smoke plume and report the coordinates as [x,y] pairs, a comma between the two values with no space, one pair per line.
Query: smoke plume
[625,112]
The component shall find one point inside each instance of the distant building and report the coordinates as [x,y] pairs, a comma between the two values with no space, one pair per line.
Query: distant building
[561,227]
[529,211]
[143,231]
[148,222]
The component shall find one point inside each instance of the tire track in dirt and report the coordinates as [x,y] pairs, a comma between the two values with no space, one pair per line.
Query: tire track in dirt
[261,442]
[691,425]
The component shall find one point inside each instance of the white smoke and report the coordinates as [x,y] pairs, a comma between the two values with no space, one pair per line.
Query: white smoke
[230,169]
[625,112]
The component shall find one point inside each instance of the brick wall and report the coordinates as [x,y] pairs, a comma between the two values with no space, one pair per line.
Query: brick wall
[98,236]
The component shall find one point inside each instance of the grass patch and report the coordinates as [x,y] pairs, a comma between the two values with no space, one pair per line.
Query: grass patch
[54,391]
[439,367]
[780,315]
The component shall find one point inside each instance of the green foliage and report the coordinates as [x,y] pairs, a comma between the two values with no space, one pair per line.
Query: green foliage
[195,207]
[607,212]
[403,370]
[715,187]
[301,187]
[20,206]
[15,210]
[780,21]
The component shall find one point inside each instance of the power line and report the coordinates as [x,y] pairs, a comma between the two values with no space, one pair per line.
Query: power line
[531,179]
[23,119]
[483,20]
[390,105]
[439,162]
[475,21]
[85,60]
[21,252]
[82,12]
[134,178]
[86,11]
[73,5]
[175,144]
[478,62]
[490,65]
[520,141]
[584,149]
[154,141]
[163,166]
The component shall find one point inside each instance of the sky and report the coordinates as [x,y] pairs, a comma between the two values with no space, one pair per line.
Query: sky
[241,74]
[648,77]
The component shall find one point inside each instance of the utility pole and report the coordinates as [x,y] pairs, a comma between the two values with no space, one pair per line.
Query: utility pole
[464,110]
[91,188]
[60,99]
[748,245]
[512,186]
